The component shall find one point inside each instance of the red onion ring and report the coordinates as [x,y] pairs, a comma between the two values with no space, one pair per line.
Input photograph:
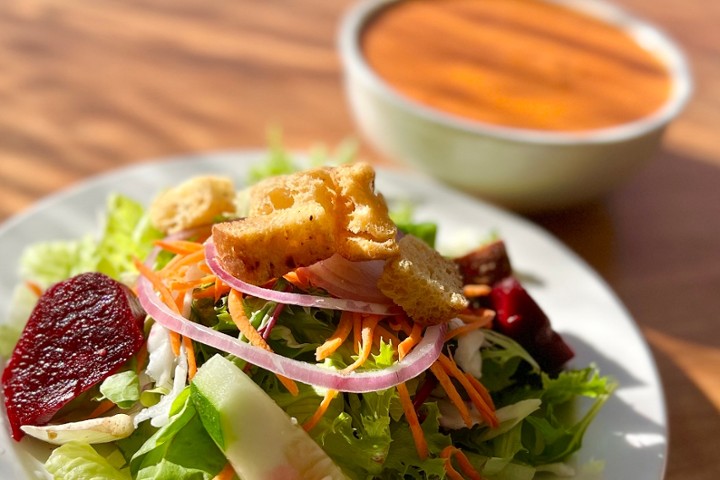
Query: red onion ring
[301,299]
[345,279]
[417,361]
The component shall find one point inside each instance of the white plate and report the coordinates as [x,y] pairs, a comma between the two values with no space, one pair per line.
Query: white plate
[629,434]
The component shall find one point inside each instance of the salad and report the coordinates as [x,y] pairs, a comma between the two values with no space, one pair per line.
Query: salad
[314,373]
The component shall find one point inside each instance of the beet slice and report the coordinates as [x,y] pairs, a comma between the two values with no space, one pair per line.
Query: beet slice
[485,265]
[81,331]
[521,318]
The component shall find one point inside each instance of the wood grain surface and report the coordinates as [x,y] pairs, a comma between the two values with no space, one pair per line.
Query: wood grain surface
[87,86]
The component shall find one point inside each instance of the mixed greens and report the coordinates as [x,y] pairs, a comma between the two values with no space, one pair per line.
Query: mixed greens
[181,431]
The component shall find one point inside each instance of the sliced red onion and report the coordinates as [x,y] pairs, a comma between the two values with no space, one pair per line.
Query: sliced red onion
[300,299]
[345,279]
[417,361]
[266,329]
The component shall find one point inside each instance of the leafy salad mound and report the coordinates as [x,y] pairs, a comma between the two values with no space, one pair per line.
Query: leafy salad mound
[416,430]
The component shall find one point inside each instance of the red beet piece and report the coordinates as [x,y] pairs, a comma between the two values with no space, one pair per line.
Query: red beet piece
[80,332]
[485,265]
[520,318]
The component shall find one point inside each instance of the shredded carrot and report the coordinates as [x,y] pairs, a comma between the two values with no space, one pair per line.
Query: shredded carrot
[190,352]
[165,296]
[203,267]
[180,299]
[208,292]
[475,397]
[292,277]
[387,335]
[412,340]
[337,338]
[180,247]
[357,331]
[476,324]
[450,334]
[289,384]
[216,291]
[475,290]
[481,390]
[227,473]
[322,408]
[102,408]
[174,342]
[221,288]
[368,327]
[452,474]
[158,284]
[483,315]
[452,393]
[298,278]
[412,419]
[188,284]
[34,288]
[464,463]
[237,313]
[179,261]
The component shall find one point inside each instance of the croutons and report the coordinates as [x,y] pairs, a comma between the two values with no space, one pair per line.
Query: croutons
[296,220]
[257,249]
[366,231]
[193,203]
[425,284]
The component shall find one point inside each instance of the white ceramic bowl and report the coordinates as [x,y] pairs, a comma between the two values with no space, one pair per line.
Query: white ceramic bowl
[522,169]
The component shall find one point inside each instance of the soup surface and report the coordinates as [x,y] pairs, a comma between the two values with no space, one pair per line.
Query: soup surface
[517,63]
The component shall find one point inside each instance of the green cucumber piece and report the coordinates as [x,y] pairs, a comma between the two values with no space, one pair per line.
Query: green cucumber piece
[260,440]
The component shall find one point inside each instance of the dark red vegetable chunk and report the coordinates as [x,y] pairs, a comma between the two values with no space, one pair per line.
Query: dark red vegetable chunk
[485,265]
[521,318]
[80,332]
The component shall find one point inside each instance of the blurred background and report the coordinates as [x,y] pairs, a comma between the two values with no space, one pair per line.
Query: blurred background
[87,86]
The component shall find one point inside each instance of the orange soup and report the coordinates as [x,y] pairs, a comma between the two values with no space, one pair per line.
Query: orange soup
[517,63]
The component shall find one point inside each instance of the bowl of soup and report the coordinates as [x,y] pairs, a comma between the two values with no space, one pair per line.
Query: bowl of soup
[530,104]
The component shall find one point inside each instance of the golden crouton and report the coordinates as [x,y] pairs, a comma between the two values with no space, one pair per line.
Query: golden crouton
[195,202]
[424,283]
[296,220]
[258,249]
[366,230]
[287,191]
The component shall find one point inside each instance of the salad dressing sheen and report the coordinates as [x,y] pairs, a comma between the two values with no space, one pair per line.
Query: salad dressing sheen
[517,63]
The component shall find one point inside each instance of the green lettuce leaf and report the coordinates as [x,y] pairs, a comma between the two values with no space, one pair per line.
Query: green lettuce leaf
[543,417]
[123,389]
[277,162]
[22,304]
[402,215]
[502,361]
[281,162]
[47,263]
[126,234]
[181,450]
[403,460]
[80,461]
[555,432]
[358,439]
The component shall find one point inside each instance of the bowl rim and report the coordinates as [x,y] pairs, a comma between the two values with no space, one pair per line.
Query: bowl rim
[645,34]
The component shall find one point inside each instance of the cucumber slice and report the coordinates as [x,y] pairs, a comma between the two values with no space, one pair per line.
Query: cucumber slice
[259,439]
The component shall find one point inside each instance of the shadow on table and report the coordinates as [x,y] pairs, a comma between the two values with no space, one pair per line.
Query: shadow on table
[651,241]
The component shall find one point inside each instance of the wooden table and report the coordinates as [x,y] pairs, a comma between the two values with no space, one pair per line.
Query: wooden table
[87,86]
